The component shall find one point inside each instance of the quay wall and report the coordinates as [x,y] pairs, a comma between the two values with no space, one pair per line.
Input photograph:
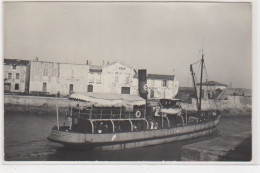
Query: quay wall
[36,104]
[233,104]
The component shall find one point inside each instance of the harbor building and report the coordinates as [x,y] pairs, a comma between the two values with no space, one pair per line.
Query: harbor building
[16,75]
[211,89]
[43,77]
[72,78]
[118,78]
[62,79]
[162,86]
[95,79]
[51,78]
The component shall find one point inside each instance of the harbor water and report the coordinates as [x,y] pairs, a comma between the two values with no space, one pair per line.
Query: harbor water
[26,140]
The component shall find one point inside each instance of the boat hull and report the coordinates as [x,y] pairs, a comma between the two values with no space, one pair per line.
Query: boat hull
[116,141]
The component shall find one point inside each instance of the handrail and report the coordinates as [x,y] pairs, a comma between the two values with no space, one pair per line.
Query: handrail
[132,127]
[122,119]
[147,124]
[113,126]
[92,126]
[168,121]
[105,109]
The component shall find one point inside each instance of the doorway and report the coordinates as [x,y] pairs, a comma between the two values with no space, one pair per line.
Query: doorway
[44,87]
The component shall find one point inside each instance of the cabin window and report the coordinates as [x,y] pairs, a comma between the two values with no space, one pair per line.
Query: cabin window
[125,90]
[90,88]
[75,121]
[152,94]
[16,87]
[164,83]
[17,75]
[9,75]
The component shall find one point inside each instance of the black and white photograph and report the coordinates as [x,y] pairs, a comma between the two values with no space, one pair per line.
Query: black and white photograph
[127,81]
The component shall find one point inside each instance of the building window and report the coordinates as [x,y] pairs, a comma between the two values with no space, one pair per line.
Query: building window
[98,79]
[44,87]
[16,87]
[152,83]
[116,79]
[125,90]
[127,80]
[90,88]
[72,73]
[164,83]
[91,78]
[14,66]
[45,72]
[17,75]
[9,75]
[71,88]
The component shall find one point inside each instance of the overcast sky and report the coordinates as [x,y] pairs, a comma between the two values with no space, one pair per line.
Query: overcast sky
[157,36]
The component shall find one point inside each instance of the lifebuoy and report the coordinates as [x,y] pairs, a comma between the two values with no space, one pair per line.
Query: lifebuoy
[138,114]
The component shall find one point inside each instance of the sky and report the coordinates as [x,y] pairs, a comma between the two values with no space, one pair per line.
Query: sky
[164,38]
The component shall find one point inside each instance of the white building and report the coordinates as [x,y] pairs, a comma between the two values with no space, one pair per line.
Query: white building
[61,78]
[95,79]
[118,78]
[162,86]
[210,89]
[58,78]
[16,75]
[72,78]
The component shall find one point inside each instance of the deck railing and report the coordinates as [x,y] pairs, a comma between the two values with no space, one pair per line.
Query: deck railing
[107,113]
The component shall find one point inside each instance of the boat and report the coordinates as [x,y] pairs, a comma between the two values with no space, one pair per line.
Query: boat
[103,121]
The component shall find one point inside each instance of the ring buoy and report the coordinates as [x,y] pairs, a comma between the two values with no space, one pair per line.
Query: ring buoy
[138,114]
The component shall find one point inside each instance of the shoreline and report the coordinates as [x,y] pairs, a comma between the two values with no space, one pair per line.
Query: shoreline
[37,104]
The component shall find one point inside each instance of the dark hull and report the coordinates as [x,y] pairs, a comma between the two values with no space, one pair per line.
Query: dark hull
[115,141]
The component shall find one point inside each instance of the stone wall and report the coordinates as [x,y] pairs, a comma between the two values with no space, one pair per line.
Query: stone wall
[36,104]
[233,104]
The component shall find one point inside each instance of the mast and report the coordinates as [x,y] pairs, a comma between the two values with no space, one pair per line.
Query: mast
[201,77]
[194,85]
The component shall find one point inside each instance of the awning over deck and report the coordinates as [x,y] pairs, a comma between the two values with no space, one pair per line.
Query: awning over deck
[108,99]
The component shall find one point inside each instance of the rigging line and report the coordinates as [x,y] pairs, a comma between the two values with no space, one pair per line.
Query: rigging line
[198,69]
[188,79]
[195,62]
[215,103]
[207,76]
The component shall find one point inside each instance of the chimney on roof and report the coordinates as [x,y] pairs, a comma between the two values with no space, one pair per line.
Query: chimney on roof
[87,62]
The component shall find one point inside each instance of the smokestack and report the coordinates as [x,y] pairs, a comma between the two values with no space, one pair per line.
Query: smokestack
[142,83]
